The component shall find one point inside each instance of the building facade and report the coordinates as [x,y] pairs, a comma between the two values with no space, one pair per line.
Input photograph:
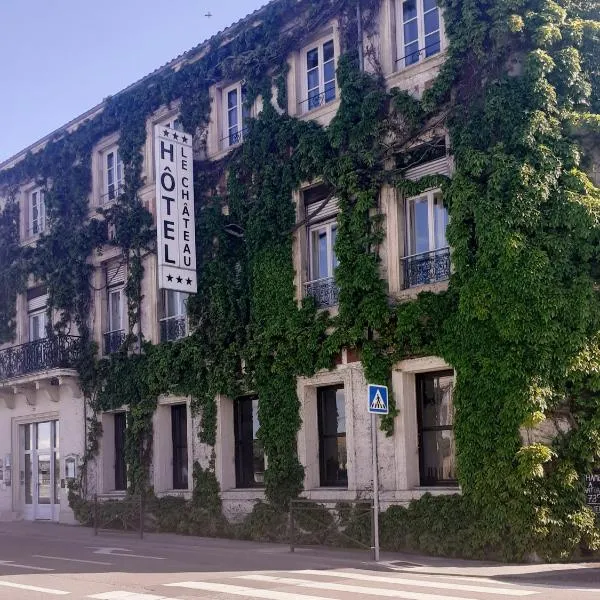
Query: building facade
[45,410]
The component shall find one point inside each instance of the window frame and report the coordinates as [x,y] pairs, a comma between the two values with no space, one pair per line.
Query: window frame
[228,138]
[401,53]
[431,195]
[319,45]
[424,479]
[39,313]
[328,226]
[179,446]
[117,169]
[40,221]
[324,481]
[111,290]
[244,459]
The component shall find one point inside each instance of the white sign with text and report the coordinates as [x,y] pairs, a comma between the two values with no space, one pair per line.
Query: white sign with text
[175,224]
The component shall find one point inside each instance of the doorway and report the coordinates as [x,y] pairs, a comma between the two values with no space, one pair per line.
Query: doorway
[40,470]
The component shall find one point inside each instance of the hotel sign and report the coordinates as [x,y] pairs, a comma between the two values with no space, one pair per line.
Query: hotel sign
[175,224]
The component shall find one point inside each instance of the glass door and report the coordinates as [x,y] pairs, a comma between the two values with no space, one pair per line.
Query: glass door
[40,470]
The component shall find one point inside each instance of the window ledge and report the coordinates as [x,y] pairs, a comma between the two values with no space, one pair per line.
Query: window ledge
[430,62]
[450,488]
[315,113]
[243,494]
[412,292]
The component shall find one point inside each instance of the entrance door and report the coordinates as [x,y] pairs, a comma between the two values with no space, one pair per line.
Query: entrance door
[39,445]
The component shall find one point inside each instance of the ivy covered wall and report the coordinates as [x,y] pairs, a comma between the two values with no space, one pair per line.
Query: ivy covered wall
[519,96]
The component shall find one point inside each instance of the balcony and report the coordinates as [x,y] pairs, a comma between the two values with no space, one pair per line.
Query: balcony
[173,328]
[234,138]
[316,99]
[57,352]
[324,291]
[113,340]
[426,268]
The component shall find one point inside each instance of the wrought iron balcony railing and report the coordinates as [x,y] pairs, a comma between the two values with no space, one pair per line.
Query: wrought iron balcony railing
[113,340]
[234,138]
[316,99]
[426,267]
[57,352]
[324,291]
[173,328]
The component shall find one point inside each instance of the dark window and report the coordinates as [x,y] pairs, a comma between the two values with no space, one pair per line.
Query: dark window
[332,436]
[249,453]
[180,449]
[437,453]
[120,464]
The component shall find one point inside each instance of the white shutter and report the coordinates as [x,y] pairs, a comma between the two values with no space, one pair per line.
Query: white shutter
[115,274]
[37,303]
[331,209]
[440,166]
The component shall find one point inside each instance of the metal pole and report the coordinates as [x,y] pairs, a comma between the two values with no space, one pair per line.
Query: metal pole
[95,514]
[361,58]
[291,526]
[375,486]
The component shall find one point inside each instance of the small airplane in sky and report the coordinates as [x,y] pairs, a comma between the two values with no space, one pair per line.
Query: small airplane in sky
[208,14]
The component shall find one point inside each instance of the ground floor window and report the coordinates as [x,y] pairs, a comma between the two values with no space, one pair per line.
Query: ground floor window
[333,457]
[180,447]
[437,451]
[249,453]
[120,461]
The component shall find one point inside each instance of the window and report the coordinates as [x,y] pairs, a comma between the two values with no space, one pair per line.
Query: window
[37,325]
[320,75]
[333,458]
[113,175]
[173,123]
[37,212]
[235,115]
[120,464]
[437,453]
[180,448]
[115,335]
[173,323]
[419,33]
[427,254]
[249,453]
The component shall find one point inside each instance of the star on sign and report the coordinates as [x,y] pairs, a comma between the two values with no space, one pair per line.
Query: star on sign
[188,281]
[166,133]
[184,139]
[175,136]
[169,277]
[179,279]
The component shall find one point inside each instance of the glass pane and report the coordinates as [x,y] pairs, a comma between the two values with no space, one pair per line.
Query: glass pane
[232,118]
[411,55]
[439,456]
[432,22]
[312,59]
[44,436]
[440,222]
[336,262]
[323,269]
[334,461]
[258,453]
[328,51]
[435,393]
[232,99]
[27,436]
[313,79]
[119,171]
[432,44]
[429,5]
[115,311]
[329,71]
[44,479]
[411,32]
[56,434]
[28,480]
[409,10]
[332,407]
[330,91]
[56,477]
[340,405]
[110,161]
[418,216]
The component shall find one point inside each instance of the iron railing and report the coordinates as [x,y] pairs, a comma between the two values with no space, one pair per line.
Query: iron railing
[324,291]
[426,267]
[56,352]
[420,52]
[113,340]
[173,328]
[320,99]
[234,138]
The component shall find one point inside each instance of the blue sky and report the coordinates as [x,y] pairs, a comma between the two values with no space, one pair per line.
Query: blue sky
[61,57]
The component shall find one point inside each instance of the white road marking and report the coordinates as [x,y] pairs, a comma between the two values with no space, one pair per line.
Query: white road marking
[440,585]
[122,552]
[129,596]
[237,590]
[33,588]
[14,565]
[353,589]
[77,560]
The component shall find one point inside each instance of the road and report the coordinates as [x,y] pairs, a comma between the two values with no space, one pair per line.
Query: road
[45,561]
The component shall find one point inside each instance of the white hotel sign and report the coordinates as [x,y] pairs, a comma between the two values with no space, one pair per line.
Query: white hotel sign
[175,210]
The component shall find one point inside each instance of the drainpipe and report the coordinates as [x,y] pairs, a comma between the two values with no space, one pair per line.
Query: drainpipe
[361,58]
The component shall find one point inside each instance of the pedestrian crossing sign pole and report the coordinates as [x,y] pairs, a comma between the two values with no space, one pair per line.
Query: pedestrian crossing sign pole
[378,404]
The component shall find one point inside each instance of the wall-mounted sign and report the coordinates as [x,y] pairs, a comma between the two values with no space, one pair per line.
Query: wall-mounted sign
[592,491]
[175,224]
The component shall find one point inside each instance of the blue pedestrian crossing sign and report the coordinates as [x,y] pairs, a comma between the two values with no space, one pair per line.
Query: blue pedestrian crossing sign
[378,399]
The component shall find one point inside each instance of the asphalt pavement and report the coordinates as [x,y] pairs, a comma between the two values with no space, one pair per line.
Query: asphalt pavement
[42,561]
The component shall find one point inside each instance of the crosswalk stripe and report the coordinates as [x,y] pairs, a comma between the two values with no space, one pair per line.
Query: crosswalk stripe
[238,590]
[122,595]
[440,585]
[340,587]
[33,588]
